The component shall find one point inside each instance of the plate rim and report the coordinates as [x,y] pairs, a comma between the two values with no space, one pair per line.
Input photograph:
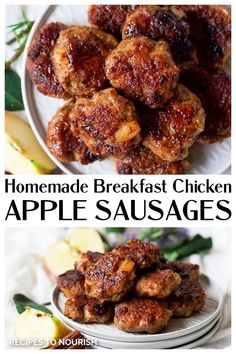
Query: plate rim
[146,337]
[25,81]
[204,338]
[182,340]
[193,344]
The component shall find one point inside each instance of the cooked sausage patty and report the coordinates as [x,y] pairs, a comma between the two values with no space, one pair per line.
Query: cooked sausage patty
[176,127]
[111,278]
[157,284]
[62,143]
[216,100]
[107,123]
[143,161]
[144,70]
[39,63]
[210,27]
[144,254]
[188,298]
[162,22]
[86,260]
[108,18]
[186,270]
[195,79]
[71,283]
[85,309]
[141,315]
[79,59]
[214,91]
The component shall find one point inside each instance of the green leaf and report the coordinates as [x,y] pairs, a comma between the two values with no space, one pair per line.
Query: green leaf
[21,302]
[13,95]
[197,244]
[115,230]
[151,234]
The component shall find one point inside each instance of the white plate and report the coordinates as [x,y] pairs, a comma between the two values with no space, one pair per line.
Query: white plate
[163,344]
[203,339]
[177,327]
[207,159]
[193,344]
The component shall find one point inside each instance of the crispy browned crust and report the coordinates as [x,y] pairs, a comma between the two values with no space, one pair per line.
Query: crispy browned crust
[216,100]
[107,281]
[214,91]
[186,270]
[143,70]
[210,27]
[62,143]
[162,22]
[141,315]
[195,78]
[143,161]
[39,63]
[144,254]
[79,59]
[107,123]
[109,18]
[86,260]
[158,284]
[176,127]
[71,283]
[188,298]
[85,309]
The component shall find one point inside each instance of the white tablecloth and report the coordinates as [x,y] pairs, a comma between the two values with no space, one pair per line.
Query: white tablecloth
[25,272]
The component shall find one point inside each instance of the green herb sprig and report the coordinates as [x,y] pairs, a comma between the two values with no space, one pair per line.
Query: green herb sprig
[20,32]
[13,94]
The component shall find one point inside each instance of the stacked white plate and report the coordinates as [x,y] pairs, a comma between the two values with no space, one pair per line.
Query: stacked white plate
[180,332]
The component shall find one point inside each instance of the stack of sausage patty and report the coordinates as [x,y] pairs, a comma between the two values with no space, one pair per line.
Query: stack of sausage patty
[134,286]
[143,84]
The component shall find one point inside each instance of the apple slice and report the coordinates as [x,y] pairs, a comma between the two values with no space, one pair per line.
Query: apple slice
[86,239]
[60,257]
[24,154]
[38,325]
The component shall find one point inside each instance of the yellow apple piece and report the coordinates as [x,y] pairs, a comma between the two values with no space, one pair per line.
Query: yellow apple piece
[86,239]
[35,324]
[23,153]
[60,257]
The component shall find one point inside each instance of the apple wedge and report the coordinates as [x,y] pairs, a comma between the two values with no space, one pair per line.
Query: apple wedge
[86,239]
[60,257]
[38,325]
[23,153]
